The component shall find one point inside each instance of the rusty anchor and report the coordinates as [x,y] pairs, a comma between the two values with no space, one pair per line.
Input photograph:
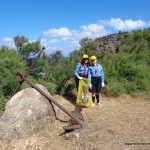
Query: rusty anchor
[77,122]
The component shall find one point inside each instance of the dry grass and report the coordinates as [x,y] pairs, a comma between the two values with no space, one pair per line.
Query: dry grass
[120,120]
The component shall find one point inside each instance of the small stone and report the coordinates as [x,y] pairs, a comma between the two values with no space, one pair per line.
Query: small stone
[70,136]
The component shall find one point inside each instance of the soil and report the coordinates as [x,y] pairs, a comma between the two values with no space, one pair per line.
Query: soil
[121,123]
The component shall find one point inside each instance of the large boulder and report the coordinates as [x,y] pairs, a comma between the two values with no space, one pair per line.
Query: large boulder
[26,113]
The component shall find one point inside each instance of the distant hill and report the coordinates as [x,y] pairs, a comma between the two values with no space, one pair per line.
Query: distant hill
[112,40]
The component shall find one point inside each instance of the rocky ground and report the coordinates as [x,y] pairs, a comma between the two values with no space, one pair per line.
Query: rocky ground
[116,125]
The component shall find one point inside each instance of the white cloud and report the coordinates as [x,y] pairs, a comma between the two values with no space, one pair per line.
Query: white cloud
[93,28]
[58,32]
[51,45]
[119,24]
[93,31]
[70,38]
[148,24]
[54,41]
[9,42]
[71,42]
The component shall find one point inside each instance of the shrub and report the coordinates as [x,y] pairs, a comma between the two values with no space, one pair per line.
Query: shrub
[10,63]
[115,88]
[3,101]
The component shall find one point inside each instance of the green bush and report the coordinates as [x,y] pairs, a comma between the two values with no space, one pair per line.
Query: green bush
[115,88]
[10,63]
[3,101]
[51,87]
[129,69]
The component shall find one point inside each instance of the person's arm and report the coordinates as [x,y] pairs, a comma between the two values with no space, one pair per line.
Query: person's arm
[76,71]
[102,72]
[89,75]
[89,78]
[102,75]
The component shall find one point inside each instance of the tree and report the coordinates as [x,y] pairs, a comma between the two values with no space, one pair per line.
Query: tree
[90,48]
[75,56]
[84,41]
[31,47]
[10,63]
[19,42]
[55,57]
[62,72]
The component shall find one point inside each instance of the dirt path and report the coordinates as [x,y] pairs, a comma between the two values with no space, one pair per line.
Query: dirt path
[120,122]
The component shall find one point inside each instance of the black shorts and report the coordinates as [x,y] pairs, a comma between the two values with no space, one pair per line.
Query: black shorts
[96,85]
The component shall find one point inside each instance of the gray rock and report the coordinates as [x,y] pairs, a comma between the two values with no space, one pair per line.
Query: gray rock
[71,135]
[26,113]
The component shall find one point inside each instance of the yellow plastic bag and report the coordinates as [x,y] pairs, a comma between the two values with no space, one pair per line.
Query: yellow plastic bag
[84,97]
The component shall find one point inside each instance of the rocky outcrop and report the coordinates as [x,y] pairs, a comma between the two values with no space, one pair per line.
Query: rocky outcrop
[112,40]
[26,113]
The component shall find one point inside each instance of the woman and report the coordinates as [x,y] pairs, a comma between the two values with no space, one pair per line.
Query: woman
[96,77]
[81,69]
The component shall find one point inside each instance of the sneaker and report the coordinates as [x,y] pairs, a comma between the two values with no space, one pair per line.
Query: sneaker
[93,105]
[99,104]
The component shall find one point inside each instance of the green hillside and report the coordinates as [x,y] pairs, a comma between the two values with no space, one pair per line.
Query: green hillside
[125,58]
[128,70]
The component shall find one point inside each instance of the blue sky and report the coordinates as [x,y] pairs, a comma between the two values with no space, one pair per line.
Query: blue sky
[60,24]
